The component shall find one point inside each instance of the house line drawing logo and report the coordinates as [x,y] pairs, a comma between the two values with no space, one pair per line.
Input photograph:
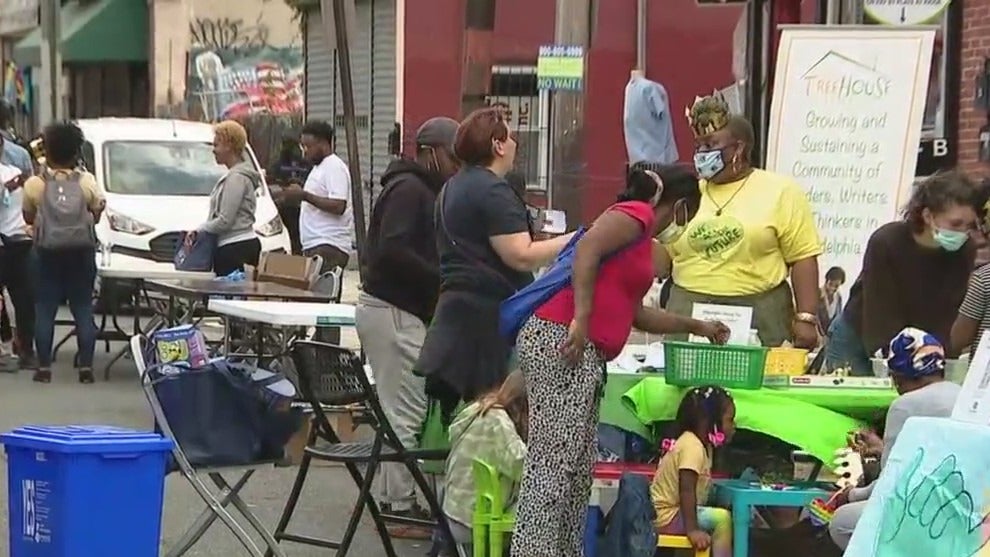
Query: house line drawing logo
[838,76]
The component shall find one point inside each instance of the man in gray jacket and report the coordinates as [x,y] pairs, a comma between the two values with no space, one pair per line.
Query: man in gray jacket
[232,203]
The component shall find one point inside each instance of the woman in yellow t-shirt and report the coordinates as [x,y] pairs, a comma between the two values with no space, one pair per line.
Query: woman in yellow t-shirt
[705,420]
[754,229]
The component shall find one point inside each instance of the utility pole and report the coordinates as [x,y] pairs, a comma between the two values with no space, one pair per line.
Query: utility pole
[51,61]
[756,63]
[340,31]
[641,20]
[567,170]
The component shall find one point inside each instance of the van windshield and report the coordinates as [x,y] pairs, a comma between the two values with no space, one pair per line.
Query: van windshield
[160,168]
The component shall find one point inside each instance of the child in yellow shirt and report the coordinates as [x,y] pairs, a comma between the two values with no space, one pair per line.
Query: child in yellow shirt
[705,420]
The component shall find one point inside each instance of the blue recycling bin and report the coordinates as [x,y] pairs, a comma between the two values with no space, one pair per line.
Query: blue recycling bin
[84,491]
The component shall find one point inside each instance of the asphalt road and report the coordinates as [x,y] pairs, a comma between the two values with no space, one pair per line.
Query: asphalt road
[323,509]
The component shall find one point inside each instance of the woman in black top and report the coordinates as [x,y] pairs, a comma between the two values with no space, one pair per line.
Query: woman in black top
[914,273]
[487,253]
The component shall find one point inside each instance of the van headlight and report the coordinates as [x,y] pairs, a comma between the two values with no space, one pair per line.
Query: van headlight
[271,228]
[127,225]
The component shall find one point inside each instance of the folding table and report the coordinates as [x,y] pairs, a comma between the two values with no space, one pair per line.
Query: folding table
[198,292]
[127,271]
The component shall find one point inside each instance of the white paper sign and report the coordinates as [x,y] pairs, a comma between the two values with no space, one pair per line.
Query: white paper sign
[973,404]
[654,355]
[736,318]
[845,122]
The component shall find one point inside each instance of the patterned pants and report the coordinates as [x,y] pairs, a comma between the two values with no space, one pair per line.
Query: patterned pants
[562,445]
[715,521]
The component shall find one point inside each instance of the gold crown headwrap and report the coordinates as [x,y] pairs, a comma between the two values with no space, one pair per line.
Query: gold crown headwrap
[708,114]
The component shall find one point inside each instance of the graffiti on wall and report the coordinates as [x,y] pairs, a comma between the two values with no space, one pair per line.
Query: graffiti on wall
[235,71]
[228,34]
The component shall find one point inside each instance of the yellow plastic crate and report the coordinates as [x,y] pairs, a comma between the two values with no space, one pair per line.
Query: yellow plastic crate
[786,361]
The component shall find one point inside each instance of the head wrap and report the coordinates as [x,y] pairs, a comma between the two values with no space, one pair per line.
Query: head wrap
[915,353]
[708,114]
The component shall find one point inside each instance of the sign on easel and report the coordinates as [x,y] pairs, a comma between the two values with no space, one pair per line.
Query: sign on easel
[845,122]
[973,404]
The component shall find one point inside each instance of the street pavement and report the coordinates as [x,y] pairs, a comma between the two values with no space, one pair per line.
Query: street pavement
[323,509]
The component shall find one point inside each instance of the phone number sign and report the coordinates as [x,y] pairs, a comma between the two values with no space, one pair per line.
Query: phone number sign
[560,68]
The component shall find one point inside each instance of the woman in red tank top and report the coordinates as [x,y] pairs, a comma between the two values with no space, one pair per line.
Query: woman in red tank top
[564,346]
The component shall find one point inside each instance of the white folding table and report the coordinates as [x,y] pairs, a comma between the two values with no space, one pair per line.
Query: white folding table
[286,314]
[282,315]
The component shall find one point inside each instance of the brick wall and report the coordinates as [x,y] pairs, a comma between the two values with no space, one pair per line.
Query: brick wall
[975,47]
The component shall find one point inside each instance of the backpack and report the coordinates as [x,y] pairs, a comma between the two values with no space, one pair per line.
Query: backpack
[65,221]
[630,530]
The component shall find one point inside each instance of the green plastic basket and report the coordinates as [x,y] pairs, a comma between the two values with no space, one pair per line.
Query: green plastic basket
[692,364]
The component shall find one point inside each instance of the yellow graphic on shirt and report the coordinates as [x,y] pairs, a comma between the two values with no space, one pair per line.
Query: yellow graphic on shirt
[715,237]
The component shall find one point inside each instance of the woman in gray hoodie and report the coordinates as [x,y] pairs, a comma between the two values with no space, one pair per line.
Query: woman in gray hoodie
[232,202]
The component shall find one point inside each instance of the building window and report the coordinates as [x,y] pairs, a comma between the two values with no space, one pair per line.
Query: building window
[528,110]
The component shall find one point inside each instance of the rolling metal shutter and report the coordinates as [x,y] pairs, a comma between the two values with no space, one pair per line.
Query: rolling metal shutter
[320,71]
[373,71]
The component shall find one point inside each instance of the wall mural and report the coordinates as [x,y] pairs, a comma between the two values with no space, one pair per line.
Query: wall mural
[236,71]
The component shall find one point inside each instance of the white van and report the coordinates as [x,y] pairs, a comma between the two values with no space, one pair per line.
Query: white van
[157,176]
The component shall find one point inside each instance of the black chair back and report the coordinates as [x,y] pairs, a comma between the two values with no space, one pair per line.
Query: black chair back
[330,375]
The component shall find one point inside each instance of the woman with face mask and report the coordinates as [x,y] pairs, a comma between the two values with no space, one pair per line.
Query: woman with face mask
[914,273]
[564,345]
[753,231]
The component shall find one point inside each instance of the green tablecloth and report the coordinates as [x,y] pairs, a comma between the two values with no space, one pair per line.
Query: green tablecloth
[816,420]
[865,404]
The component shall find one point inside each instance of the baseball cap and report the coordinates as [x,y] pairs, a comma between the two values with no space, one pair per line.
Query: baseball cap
[437,132]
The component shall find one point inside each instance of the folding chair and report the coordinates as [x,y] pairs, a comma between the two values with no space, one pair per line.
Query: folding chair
[216,503]
[329,375]
[330,282]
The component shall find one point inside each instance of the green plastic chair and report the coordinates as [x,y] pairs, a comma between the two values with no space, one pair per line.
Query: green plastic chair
[491,519]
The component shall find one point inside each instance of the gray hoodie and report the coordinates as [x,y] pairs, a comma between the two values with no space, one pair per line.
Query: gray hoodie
[232,203]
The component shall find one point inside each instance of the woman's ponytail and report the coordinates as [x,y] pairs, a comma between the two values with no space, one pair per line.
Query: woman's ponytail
[641,183]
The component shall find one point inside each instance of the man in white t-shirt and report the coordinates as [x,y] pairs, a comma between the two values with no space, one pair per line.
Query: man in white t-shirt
[325,219]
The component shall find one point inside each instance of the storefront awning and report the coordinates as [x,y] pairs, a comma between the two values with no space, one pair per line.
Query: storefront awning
[94,31]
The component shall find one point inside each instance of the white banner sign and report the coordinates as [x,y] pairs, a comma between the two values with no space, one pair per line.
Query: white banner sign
[845,122]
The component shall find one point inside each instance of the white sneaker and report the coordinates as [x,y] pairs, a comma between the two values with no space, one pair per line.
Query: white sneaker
[6,349]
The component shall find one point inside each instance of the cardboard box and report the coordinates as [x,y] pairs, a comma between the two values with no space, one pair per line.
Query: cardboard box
[296,271]
[297,443]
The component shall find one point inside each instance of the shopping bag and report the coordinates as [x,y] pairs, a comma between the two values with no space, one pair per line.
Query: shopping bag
[435,436]
[225,414]
[518,308]
[195,251]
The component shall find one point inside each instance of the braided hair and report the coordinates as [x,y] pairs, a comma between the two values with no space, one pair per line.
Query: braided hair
[701,411]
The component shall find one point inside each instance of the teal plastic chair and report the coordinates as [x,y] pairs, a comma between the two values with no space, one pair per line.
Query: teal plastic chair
[491,521]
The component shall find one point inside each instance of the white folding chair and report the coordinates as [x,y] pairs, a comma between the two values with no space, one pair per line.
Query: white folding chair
[226,494]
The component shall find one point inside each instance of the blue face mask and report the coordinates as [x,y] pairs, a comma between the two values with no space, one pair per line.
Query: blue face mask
[708,163]
[950,240]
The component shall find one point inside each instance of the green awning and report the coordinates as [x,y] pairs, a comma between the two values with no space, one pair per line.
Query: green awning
[95,31]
